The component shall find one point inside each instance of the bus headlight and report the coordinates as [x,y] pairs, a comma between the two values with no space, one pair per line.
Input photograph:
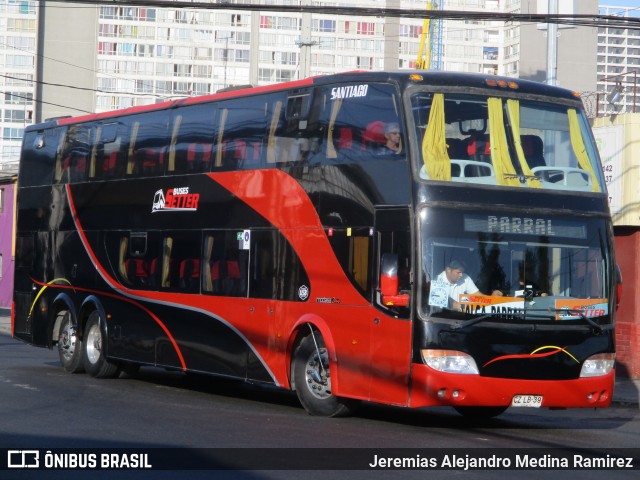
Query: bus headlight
[598,365]
[449,361]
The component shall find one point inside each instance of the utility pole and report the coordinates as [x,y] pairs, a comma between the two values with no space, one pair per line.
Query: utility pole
[552,45]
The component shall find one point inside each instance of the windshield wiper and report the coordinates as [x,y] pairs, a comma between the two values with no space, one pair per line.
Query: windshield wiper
[596,326]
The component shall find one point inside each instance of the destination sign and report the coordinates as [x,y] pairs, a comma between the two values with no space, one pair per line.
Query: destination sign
[524,225]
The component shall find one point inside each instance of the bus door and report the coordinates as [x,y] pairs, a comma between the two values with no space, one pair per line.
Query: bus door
[391,325]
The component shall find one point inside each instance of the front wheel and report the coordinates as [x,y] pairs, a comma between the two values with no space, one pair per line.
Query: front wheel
[95,362]
[69,344]
[312,379]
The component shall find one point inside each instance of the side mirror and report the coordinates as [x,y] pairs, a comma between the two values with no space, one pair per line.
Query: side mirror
[389,282]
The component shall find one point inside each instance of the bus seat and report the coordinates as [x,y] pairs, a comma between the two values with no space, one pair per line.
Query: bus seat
[199,156]
[233,151]
[373,136]
[74,167]
[150,159]
[153,268]
[479,148]
[533,150]
[189,273]
[345,139]
[137,272]
[109,164]
[225,277]
[456,148]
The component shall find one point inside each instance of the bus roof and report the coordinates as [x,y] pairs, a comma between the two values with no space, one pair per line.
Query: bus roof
[404,78]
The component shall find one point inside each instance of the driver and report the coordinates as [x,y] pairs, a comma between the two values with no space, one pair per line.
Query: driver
[456,283]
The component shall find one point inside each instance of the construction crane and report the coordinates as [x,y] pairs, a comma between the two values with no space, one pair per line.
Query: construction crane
[430,50]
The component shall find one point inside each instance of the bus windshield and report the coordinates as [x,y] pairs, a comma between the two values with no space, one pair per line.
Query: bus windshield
[535,268]
[481,139]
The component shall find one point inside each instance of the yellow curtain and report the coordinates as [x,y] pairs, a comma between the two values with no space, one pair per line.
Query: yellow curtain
[579,149]
[434,144]
[172,146]
[94,153]
[271,144]
[132,148]
[505,173]
[223,120]
[513,107]
[331,149]
[122,266]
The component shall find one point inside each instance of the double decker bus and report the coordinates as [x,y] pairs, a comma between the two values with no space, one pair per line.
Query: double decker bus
[301,235]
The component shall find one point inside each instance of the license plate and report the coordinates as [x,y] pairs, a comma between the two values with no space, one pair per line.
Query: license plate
[532,401]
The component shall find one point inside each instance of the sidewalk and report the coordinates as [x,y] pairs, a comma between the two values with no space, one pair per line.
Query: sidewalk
[626,392]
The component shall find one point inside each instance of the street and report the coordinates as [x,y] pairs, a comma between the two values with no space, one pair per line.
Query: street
[44,407]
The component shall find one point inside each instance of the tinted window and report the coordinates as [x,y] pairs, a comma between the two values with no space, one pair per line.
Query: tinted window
[193,139]
[38,154]
[357,122]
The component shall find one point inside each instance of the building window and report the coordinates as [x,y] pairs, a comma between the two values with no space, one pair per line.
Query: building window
[1,200]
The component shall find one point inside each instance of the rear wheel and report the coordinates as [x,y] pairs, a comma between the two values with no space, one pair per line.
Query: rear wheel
[69,344]
[312,379]
[95,362]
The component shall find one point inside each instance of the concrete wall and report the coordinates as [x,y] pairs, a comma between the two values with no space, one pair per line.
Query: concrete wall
[618,138]
[67,52]
[628,325]
[577,48]
[7,243]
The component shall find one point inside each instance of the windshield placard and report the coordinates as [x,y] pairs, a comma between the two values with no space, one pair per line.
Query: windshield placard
[510,307]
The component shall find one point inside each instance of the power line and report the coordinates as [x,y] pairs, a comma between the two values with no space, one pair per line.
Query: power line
[586,20]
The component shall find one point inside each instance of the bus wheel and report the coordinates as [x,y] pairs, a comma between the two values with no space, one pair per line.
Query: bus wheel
[69,344]
[313,380]
[95,362]
[480,412]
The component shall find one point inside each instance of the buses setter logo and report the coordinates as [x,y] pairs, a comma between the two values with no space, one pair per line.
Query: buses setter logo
[175,200]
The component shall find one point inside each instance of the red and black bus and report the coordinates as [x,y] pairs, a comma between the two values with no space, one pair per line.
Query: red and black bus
[299,235]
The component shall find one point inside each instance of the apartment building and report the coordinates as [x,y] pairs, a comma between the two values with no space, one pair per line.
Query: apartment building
[18,25]
[136,55]
[618,65]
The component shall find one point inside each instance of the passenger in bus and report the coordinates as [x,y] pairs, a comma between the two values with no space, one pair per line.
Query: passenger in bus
[455,282]
[393,144]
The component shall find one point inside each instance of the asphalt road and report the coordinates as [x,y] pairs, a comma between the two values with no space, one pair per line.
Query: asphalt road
[42,407]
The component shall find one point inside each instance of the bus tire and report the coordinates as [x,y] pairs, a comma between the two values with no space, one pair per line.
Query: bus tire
[312,380]
[480,412]
[70,349]
[95,362]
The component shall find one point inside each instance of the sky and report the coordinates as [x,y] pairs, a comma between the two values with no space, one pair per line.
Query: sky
[619,3]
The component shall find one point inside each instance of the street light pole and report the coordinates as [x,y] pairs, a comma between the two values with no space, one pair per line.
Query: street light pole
[552,45]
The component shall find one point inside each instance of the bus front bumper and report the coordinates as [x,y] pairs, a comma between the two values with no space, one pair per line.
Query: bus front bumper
[433,388]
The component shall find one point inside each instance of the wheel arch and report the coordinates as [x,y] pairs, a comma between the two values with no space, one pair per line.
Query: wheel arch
[89,305]
[62,302]
[301,328]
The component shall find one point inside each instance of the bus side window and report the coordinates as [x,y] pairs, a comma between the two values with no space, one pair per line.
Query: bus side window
[108,155]
[355,126]
[191,148]
[242,132]
[352,248]
[224,265]
[181,270]
[146,150]
[264,252]
[73,158]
